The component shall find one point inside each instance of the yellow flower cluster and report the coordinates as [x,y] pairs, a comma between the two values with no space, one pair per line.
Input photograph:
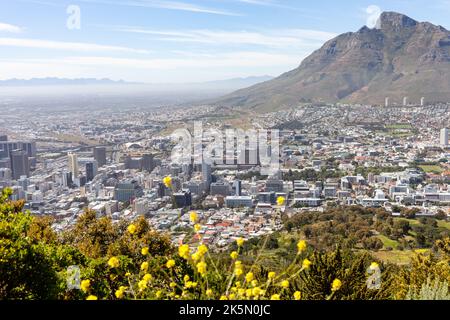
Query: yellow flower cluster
[120,292]
[167,181]
[113,262]
[336,285]
[301,246]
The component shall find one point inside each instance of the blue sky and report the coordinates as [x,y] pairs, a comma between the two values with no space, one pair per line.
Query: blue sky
[182,40]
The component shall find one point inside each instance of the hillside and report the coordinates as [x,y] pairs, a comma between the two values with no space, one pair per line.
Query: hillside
[401,58]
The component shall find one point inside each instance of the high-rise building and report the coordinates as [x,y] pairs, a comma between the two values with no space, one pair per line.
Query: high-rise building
[20,164]
[147,162]
[100,156]
[237,186]
[444,137]
[206,175]
[91,170]
[127,191]
[73,164]
[7,146]
[183,198]
[67,178]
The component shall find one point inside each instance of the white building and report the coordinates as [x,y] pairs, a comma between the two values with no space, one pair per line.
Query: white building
[444,137]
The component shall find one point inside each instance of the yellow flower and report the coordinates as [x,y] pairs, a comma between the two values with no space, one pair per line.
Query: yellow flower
[197,227]
[127,274]
[113,262]
[297,295]
[193,217]
[85,284]
[275,297]
[232,296]
[144,251]
[196,256]
[374,266]
[336,285]
[202,250]
[306,264]
[301,246]
[248,293]
[188,284]
[201,268]
[241,292]
[142,285]
[271,275]
[184,251]
[223,298]
[147,277]
[285,284]
[172,284]
[167,181]
[158,294]
[238,271]
[234,255]
[281,201]
[254,283]
[170,264]
[249,277]
[237,284]
[256,291]
[144,266]
[131,229]
[194,284]
[186,278]
[119,293]
[209,292]
[240,242]
[91,297]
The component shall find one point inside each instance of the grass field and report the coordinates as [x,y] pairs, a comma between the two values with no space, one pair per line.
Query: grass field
[395,256]
[432,169]
[388,242]
[444,224]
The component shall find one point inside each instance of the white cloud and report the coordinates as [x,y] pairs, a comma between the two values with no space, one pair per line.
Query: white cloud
[58,45]
[5,27]
[170,5]
[273,38]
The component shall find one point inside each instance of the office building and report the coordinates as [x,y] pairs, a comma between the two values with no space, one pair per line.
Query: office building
[206,175]
[237,187]
[127,191]
[220,188]
[91,170]
[7,146]
[73,164]
[147,162]
[183,199]
[20,165]
[100,156]
[444,137]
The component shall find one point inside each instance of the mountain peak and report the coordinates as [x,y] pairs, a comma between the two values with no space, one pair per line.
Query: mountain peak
[400,58]
[394,20]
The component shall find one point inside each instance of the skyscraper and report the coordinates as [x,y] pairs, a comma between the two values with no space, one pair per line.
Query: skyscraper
[147,162]
[20,165]
[91,170]
[206,175]
[73,164]
[444,137]
[100,156]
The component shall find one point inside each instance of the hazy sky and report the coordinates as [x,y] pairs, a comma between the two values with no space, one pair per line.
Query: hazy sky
[179,41]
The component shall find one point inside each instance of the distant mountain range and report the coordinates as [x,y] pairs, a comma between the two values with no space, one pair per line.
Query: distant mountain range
[227,84]
[400,58]
[59,81]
